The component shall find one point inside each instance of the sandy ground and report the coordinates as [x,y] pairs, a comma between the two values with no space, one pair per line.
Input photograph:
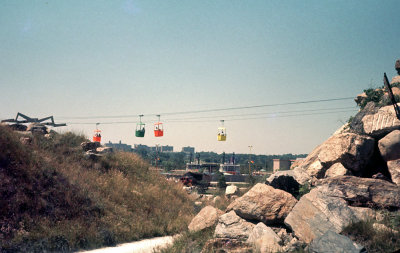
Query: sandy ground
[144,246]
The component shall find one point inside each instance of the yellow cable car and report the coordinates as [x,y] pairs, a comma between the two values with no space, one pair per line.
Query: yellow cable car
[222,132]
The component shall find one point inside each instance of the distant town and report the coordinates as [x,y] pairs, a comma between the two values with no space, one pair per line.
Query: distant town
[165,159]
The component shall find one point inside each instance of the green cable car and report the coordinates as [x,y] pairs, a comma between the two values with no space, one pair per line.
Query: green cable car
[140,129]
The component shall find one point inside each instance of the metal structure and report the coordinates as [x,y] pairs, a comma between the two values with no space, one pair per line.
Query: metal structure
[33,120]
[391,96]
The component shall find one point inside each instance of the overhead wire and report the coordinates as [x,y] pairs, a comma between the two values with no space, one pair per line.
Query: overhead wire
[208,119]
[207,110]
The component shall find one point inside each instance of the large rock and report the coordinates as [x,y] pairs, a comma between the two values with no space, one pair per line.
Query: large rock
[288,180]
[362,191]
[394,170]
[337,170]
[334,242]
[264,239]
[232,226]
[377,124]
[231,190]
[317,213]
[389,146]
[264,203]
[207,217]
[353,151]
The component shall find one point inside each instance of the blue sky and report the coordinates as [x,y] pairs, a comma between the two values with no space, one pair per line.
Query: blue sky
[76,59]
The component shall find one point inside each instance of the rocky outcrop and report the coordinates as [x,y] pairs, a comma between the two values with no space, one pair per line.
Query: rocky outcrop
[362,191]
[353,151]
[316,213]
[389,146]
[264,203]
[207,217]
[334,242]
[232,226]
[264,239]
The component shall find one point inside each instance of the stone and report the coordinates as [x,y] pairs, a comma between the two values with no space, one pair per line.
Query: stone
[207,217]
[104,150]
[382,228]
[231,190]
[337,170]
[362,191]
[397,65]
[316,213]
[380,123]
[217,199]
[334,242]
[395,79]
[364,213]
[394,170]
[37,128]
[389,146]
[264,203]
[88,145]
[288,180]
[25,140]
[232,226]
[264,239]
[353,151]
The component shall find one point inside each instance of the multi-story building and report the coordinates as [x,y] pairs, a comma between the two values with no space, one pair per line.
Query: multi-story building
[120,146]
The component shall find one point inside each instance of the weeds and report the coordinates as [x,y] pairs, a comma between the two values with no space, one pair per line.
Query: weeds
[376,240]
[52,198]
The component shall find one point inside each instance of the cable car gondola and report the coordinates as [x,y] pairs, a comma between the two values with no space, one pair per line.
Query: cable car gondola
[158,128]
[140,130]
[222,132]
[97,134]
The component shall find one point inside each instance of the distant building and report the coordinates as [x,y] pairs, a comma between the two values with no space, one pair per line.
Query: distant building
[162,148]
[140,146]
[206,167]
[230,168]
[119,146]
[281,164]
[167,148]
[188,150]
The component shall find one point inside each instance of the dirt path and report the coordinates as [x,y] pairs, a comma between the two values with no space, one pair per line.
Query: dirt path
[143,246]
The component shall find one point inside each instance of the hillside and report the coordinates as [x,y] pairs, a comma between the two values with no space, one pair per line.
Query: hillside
[54,198]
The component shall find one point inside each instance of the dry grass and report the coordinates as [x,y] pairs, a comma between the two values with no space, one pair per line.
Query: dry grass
[65,201]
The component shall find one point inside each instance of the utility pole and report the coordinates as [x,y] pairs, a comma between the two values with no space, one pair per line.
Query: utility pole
[250,147]
[156,155]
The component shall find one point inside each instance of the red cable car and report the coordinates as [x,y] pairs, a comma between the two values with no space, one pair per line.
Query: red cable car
[158,128]
[97,134]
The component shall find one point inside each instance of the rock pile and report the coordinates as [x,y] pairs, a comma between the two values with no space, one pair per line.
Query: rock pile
[352,174]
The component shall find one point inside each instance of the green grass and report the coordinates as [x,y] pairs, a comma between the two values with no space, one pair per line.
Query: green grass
[53,198]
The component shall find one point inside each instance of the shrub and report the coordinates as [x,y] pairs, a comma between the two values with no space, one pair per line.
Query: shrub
[364,233]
